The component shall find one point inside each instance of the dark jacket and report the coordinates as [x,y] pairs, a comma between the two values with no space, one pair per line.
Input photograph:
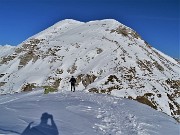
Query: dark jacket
[73,81]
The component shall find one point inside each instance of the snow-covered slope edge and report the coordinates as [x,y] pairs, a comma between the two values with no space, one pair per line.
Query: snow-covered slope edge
[6,49]
[83,114]
[105,56]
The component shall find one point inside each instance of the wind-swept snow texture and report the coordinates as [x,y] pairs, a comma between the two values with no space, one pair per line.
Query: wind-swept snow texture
[105,56]
[79,113]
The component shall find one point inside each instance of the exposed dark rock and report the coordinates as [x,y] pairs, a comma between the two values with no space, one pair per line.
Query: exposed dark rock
[159,95]
[99,50]
[121,30]
[5,60]
[57,83]
[86,79]
[94,90]
[176,112]
[2,83]
[111,79]
[145,100]
[158,66]
[1,75]
[28,87]
[24,59]
[72,69]
[175,84]
[126,31]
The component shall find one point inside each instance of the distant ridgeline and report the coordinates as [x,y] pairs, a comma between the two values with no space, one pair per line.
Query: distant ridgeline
[105,57]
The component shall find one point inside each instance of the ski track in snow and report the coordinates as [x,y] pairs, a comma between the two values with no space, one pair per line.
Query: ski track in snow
[79,113]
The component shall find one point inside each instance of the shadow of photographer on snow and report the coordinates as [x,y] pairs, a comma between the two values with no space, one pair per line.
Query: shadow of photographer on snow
[43,128]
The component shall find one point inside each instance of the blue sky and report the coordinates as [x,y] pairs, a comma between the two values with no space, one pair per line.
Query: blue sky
[157,21]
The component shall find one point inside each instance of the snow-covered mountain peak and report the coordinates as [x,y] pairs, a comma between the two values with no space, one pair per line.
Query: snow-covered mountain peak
[105,22]
[60,26]
[6,47]
[104,55]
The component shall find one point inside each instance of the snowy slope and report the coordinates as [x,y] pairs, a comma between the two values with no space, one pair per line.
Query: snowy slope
[6,49]
[82,113]
[105,56]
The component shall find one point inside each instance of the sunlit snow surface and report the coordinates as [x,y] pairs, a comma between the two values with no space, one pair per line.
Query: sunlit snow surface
[80,113]
[91,48]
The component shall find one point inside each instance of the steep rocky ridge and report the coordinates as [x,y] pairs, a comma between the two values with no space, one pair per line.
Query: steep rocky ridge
[105,56]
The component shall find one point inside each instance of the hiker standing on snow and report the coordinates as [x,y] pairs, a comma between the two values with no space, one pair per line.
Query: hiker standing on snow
[73,81]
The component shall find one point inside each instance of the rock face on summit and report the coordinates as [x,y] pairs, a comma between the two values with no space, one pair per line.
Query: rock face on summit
[105,56]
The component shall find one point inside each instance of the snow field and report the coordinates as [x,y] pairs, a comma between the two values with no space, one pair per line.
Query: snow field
[80,113]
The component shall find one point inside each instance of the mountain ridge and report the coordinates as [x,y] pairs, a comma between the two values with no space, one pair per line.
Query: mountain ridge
[105,56]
